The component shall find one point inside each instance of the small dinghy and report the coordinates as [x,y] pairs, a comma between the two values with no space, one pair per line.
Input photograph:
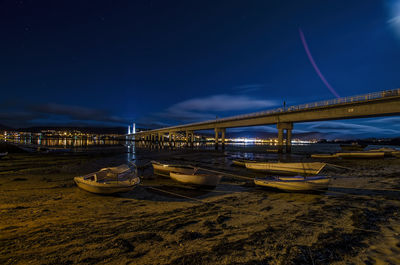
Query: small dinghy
[196,178]
[165,169]
[366,154]
[109,180]
[386,150]
[242,162]
[3,154]
[312,168]
[296,183]
[322,156]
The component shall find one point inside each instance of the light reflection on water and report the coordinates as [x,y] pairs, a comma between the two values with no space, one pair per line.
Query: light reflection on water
[66,142]
[243,150]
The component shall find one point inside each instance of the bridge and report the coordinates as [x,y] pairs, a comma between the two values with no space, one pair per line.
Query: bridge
[383,103]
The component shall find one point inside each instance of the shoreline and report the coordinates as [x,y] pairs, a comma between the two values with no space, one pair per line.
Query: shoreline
[53,221]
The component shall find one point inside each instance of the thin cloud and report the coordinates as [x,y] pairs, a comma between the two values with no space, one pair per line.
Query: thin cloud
[52,113]
[77,112]
[269,129]
[351,128]
[394,121]
[208,108]
[248,88]
[223,103]
[394,16]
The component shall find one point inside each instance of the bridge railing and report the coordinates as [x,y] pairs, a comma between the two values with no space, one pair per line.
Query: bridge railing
[318,104]
[324,103]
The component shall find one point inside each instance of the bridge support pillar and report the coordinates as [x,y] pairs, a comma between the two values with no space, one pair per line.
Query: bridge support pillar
[280,140]
[187,133]
[288,140]
[223,131]
[216,137]
[288,126]
[191,138]
[174,139]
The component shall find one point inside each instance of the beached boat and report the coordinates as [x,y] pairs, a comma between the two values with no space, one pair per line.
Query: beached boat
[386,150]
[109,180]
[352,147]
[196,178]
[312,168]
[165,169]
[323,155]
[297,183]
[242,162]
[3,154]
[366,154]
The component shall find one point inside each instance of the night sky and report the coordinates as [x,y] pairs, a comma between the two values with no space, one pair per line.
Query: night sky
[160,63]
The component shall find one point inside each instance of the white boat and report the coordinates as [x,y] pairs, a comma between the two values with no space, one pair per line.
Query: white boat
[242,162]
[297,183]
[312,168]
[365,154]
[3,154]
[323,156]
[109,180]
[165,169]
[386,150]
[196,179]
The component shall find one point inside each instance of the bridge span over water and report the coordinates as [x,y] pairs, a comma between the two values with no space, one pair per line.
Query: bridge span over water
[383,103]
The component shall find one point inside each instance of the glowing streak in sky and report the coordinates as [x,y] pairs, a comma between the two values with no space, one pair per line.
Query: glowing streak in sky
[303,40]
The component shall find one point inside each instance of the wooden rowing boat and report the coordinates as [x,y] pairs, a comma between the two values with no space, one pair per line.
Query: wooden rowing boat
[109,180]
[196,179]
[312,168]
[386,150]
[323,155]
[165,169]
[242,162]
[297,183]
[366,154]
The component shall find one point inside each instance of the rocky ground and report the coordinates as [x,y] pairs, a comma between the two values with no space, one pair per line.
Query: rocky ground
[46,219]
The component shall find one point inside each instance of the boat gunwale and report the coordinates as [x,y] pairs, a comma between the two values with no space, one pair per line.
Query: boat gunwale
[171,165]
[215,178]
[288,169]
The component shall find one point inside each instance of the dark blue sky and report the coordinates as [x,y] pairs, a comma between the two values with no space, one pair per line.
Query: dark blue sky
[109,63]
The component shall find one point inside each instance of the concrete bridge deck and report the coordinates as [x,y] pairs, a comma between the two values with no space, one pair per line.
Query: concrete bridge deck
[384,103]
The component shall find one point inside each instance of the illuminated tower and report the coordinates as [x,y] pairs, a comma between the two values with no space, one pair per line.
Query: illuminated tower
[129,129]
[134,128]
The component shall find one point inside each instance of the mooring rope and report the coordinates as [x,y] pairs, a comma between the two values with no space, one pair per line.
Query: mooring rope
[333,165]
[225,173]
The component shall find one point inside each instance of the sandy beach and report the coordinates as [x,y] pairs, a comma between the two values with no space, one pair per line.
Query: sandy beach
[46,219]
